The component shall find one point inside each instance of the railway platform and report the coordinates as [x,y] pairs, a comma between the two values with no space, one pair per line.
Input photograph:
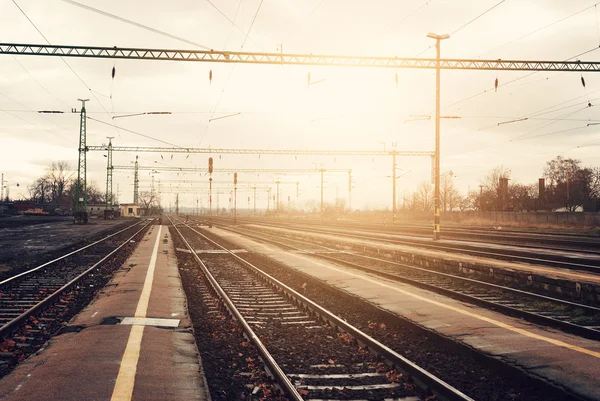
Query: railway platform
[133,342]
[568,282]
[557,357]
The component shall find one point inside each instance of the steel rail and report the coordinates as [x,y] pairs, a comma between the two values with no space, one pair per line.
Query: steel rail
[567,326]
[421,376]
[454,248]
[268,359]
[8,280]
[504,237]
[13,324]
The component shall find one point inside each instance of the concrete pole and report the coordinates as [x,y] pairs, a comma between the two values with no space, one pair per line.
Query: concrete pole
[350,190]
[254,189]
[277,204]
[322,171]
[394,188]
[234,205]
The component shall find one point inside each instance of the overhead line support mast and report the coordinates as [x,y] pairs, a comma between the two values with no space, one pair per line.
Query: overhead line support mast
[80,215]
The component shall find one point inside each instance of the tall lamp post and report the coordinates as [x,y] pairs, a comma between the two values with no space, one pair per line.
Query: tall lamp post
[436,223]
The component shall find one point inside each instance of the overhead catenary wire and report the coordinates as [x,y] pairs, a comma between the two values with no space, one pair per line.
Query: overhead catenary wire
[133,132]
[488,90]
[426,3]
[232,22]
[466,24]
[543,28]
[62,58]
[476,18]
[230,72]
[137,24]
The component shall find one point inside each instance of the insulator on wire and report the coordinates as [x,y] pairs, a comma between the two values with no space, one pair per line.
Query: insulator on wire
[210,76]
[113,72]
[161,156]
[396,80]
[308,82]
[171,157]
[496,85]
[582,81]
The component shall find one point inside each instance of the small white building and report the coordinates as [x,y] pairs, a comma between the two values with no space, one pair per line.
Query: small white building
[130,210]
[95,209]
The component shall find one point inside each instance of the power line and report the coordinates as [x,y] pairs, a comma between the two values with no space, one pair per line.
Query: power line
[479,16]
[232,22]
[466,24]
[237,10]
[252,24]
[65,61]
[230,74]
[32,123]
[295,30]
[407,17]
[133,132]
[137,24]
[544,27]
[512,81]
[38,82]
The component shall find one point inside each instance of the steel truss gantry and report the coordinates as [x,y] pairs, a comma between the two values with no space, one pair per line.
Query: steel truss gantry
[237,170]
[321,171]
[215,56]
[289,152]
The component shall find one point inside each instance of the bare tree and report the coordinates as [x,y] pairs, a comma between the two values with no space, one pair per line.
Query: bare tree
[449,195]
[423,197]
[148,202]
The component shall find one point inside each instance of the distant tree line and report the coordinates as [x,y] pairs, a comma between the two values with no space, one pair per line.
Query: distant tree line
[565,185]
[57,187]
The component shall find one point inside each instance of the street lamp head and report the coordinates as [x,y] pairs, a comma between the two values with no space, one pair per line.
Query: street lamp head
[438,37]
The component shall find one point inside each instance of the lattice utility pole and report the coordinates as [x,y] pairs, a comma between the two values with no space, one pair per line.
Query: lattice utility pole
[108,212]
[80,215]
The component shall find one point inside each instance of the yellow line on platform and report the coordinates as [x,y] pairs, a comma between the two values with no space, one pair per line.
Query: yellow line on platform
[123,389]
[450,307]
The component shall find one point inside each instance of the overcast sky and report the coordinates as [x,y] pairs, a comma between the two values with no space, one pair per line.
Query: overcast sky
[349,109]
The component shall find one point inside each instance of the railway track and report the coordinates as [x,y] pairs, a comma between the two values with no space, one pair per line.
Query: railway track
[311,352]
[551,256]
[565,242]
[573,317]
[35,303]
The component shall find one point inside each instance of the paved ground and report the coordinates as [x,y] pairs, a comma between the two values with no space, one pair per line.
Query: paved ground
[29,241]
[101,358]
[559,357]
